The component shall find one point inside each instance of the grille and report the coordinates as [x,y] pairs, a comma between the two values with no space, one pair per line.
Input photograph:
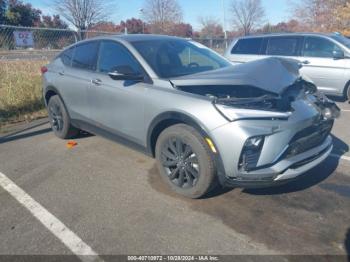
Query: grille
[309,137]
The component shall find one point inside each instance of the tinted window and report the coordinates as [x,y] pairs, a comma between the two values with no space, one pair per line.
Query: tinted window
[319,47]
[113,55]
[66,56]
[85,56]
[343,40]
[283,46]
[192,58]
[249,46]
[177,57]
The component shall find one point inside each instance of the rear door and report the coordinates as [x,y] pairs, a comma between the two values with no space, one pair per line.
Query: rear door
[320,66]
[74,79]
[245,50]
[117,105]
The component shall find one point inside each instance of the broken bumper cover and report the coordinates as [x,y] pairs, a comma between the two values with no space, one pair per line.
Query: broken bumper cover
[285,170]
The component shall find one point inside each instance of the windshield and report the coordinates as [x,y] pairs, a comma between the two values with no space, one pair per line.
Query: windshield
[341,39]
[176,57]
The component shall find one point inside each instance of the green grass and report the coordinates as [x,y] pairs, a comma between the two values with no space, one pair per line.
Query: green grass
[20,91]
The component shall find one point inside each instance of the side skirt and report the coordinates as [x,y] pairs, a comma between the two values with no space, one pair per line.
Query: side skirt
[110,135]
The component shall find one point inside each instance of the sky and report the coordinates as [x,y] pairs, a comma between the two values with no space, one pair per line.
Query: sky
[276,10]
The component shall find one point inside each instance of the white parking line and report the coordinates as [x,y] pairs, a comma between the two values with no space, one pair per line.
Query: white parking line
[345,110]
[63,233]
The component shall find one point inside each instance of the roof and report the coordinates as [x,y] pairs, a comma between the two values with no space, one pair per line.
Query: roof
[138,37]
[288,34]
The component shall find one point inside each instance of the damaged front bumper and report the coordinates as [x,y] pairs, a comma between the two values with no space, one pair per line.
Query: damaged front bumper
[285,170]
[290,147]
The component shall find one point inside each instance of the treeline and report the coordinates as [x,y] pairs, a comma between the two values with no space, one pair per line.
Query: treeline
[243,17]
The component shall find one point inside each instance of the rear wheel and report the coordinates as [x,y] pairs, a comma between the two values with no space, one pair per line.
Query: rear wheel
[185,162]
[59,119]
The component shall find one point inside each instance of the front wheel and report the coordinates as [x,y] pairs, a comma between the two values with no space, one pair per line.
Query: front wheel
[185,162]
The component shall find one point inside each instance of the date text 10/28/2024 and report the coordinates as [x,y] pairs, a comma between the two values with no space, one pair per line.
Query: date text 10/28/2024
[173,258]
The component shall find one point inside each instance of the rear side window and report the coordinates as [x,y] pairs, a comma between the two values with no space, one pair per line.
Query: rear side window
[66,56]
[85,56]
[283,46]
[249,46]
[319,47]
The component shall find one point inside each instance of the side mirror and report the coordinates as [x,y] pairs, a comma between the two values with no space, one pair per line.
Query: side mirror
[338,54]
[125,73]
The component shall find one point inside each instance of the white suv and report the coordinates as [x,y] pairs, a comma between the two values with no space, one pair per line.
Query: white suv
[324,57]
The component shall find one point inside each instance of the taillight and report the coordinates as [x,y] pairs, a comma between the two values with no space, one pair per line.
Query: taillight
[43,69]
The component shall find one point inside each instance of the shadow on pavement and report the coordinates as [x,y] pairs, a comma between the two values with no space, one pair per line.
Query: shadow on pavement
[339,147]
[347,244]
[29,126]
[9,138]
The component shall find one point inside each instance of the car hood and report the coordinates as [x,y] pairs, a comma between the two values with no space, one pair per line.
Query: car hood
[270,74]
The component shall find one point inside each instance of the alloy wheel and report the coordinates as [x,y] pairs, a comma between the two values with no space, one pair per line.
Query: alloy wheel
[56,117]
[180,162]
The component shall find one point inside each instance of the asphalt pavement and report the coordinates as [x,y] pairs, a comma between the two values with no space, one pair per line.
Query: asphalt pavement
[108,199]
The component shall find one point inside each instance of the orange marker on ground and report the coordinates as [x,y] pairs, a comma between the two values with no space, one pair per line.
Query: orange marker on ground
[71,144]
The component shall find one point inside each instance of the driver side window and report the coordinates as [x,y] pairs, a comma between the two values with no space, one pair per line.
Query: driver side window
[112,55]
[319,47]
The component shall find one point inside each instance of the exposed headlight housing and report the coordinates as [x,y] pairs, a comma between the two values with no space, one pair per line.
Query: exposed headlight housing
[251,153]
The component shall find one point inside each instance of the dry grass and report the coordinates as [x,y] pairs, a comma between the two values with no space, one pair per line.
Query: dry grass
[20,90]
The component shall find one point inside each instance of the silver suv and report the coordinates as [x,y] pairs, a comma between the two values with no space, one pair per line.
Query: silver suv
[205,121]
[324,57]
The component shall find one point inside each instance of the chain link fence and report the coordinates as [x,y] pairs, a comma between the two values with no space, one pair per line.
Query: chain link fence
[33,43]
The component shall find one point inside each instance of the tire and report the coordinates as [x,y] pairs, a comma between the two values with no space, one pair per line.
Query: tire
[347,95]
[59,119]
[194,174]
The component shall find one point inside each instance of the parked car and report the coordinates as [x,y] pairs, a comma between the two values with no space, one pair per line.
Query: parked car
[205,121]
[324,57]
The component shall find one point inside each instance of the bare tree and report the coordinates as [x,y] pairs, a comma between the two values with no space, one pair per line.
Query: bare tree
[162,14]
[83,13]
[319,15]
[211,27]
[247,15]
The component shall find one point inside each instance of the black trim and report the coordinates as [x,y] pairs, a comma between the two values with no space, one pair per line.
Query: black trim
[109,134]
[269,181]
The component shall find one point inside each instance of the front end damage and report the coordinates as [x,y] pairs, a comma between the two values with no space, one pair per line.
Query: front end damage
[278,133]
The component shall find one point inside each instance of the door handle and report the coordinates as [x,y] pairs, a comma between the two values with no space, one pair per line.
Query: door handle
[61,73]
[96,81]
[305,62]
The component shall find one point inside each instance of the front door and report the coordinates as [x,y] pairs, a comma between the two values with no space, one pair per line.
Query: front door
[117,105]
[319,65]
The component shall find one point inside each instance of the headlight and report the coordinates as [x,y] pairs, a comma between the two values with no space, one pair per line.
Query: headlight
[251,153]
[232,113]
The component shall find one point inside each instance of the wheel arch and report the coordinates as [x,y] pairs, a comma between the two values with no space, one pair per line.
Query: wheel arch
[166,119]
[51,91]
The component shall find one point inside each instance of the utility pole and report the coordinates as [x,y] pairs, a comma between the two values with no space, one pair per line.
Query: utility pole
[224,21]
[143,24]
